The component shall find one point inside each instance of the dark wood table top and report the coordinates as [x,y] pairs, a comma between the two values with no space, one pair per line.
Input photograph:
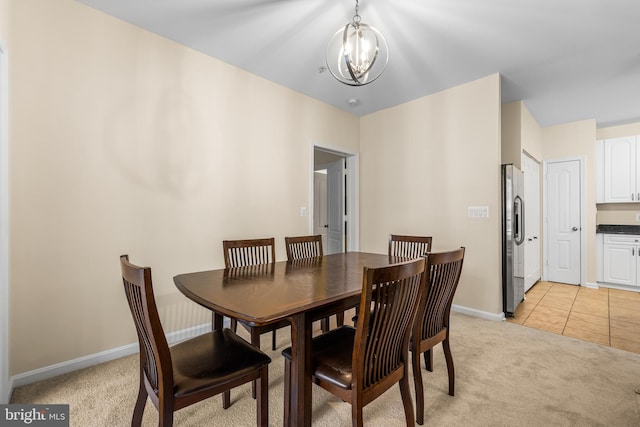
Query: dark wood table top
[298,291]
[263,294]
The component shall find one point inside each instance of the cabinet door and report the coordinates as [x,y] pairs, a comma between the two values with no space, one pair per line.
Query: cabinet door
[620,169]
[637,281]
[637,160]
[620,264]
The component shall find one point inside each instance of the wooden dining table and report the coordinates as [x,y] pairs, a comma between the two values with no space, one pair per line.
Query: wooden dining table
[299,291]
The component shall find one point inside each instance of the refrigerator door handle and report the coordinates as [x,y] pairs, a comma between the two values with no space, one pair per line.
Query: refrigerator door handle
[518,210]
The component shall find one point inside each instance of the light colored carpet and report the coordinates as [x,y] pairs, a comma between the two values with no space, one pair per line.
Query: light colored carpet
[506,375]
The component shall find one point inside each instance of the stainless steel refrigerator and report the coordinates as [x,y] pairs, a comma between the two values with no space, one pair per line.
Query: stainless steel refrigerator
[512,238]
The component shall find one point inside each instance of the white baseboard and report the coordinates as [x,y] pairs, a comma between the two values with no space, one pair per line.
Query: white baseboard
[9,390]
[97,358]
[620,287]
[477,313]
[591,285]
[172,338]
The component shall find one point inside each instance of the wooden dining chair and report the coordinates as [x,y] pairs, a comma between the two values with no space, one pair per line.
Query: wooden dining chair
[193,370]
[409,246]
[359,364]
[305,247]
[443,271]
[241,253]
[302,247]
[401,246]
[244,253]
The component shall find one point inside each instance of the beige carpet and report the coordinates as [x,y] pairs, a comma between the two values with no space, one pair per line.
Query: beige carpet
[506,375]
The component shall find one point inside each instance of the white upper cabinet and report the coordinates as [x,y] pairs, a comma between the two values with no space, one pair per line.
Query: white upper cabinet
[619,170]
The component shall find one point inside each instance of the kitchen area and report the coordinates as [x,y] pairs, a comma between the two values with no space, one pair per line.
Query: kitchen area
[604,307]
[618,214]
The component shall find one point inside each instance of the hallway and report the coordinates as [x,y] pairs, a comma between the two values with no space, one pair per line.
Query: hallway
[605,316]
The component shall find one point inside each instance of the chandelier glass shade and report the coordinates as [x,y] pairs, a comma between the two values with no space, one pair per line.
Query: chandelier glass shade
[357,54]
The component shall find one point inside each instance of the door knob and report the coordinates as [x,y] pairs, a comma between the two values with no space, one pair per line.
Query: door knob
[574,228]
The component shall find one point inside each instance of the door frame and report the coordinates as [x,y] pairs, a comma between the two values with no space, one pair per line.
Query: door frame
[352,196]
[314,212]
[583,217]
[336,207]
[528,200]
[5,385]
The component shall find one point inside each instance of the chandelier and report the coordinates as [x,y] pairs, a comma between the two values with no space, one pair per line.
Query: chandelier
[357,54]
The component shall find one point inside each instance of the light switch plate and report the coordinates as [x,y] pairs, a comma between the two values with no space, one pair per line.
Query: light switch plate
[478,211]
[638,217]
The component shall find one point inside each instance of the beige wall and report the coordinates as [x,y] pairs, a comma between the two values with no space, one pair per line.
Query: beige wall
[511,130]
[422,165]
[618,213]
[520,132]
[618,131]
[531,133]
[125,142]
[571,140]
[5,12]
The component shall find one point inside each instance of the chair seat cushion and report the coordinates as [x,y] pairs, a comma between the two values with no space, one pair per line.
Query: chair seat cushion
[332,355]
[213,359]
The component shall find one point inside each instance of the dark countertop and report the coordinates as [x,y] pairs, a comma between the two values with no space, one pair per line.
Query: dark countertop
[618,229]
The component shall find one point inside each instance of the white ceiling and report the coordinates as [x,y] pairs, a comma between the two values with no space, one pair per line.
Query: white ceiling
[566,59]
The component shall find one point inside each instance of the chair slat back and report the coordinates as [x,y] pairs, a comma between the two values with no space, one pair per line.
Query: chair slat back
[302,247]
[155,358]
[261,270]
[240,253]
[444,269]
[409,246]
[382,337]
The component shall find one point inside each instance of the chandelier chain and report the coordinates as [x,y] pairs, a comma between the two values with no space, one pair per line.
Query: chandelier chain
[356,17]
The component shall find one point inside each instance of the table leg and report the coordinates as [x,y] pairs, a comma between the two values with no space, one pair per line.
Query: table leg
[216,324]
[300,386]
[217,321]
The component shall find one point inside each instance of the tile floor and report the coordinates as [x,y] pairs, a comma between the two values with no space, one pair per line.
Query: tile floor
[605,316]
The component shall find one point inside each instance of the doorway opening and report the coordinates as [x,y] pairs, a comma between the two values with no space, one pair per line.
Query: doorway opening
[335,199]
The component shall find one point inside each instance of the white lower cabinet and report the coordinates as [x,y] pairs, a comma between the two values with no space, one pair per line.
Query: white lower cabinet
[621,259]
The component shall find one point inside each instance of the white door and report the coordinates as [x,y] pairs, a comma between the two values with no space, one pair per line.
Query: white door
[335,207]
[531,170]
[320,223]
[563,235]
